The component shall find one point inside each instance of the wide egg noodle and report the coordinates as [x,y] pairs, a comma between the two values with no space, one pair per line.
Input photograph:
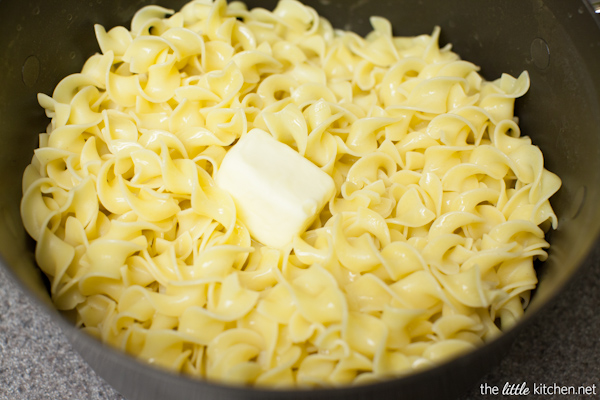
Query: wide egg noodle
[425,251]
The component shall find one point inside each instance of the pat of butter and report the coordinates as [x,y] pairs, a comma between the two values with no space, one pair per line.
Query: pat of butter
[277,192]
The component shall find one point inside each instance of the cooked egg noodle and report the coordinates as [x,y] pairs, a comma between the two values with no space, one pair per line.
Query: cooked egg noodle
[426,250]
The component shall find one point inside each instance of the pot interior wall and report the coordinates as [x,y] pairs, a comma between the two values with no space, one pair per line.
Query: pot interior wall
[557,41]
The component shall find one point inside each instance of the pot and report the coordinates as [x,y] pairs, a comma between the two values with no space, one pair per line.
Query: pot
[557,41]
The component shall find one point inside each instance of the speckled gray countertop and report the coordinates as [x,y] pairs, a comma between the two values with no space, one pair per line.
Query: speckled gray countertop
[561,347]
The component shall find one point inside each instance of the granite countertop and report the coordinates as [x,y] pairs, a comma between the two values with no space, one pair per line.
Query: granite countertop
[561,346]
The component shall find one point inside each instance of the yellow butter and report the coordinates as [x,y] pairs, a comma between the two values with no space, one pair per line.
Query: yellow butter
[277,192]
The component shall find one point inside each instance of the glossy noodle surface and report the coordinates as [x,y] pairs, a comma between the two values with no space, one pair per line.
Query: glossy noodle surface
[425,250]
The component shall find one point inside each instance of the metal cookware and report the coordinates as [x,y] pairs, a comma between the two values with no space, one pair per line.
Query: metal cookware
[557,41]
